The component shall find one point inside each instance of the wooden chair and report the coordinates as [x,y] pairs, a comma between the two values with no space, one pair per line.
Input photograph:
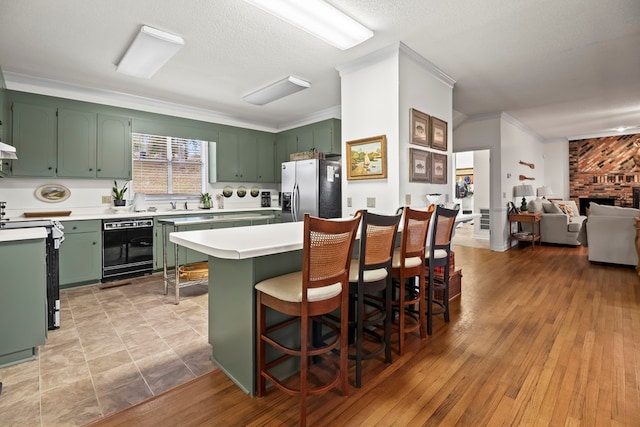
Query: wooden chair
[370,275]
[439,251]
[409,262]
[304,296]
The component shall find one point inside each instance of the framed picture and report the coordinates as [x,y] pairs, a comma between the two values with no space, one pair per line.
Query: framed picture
[420,169]
[52,193]
[367,158]
[438,134]
[419,127]
[438,168]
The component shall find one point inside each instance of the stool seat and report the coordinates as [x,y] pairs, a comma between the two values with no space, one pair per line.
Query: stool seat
[288,287]
[367,275]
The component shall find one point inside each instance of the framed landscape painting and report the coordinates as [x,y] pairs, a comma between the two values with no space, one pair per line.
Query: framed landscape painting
[438,134]
[438,168]
[420,169]
[367,158]
[419,128]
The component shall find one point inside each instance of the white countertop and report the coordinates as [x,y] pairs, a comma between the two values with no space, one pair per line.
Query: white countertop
[16,234]
[110,214]
[243,242]
[252,241]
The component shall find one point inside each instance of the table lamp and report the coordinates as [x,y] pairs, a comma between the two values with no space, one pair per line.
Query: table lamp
[523,191]
[543,191]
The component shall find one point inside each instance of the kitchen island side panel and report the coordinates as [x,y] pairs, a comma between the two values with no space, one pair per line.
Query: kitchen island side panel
[23,305]
[232,310]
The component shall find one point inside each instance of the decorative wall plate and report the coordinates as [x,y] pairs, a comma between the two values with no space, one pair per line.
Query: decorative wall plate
[227,191]
[242,191]
[255,191]
[52,193]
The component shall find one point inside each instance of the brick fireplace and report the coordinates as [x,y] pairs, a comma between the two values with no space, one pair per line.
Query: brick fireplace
[604,170]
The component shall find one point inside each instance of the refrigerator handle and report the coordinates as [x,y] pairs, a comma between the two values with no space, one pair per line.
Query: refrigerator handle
[294,202]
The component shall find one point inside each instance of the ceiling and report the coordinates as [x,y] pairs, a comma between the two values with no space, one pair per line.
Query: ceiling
[564,69]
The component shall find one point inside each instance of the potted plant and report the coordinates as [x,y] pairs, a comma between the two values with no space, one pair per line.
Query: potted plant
[118,194]
[205,198]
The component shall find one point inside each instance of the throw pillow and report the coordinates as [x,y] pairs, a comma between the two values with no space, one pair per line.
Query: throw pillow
[566,209]
[535,206]
[550,208]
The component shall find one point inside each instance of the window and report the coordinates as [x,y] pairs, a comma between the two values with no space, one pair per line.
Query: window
[168,165]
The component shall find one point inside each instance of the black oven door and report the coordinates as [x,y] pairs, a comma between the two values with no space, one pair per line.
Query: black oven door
[127,252]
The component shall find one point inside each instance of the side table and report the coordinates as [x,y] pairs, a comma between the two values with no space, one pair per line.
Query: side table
[530,218]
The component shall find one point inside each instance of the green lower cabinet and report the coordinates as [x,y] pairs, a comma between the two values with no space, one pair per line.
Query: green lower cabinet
[23,306]
[81,253]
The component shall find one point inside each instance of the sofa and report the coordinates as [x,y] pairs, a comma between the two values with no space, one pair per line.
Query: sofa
[561,221]
[610,234]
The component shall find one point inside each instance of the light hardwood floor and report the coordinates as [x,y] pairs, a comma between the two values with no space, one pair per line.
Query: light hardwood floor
[538,337]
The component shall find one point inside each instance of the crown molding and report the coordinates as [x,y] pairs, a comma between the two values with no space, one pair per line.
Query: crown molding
[427,65]
[390,52]
[26,83]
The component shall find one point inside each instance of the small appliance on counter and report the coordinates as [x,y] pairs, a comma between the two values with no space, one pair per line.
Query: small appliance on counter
[139,203]
[265,199]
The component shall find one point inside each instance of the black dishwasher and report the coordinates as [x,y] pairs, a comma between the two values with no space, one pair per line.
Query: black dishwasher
[127,248]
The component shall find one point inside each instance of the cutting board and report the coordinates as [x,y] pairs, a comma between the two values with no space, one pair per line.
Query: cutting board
[46,214]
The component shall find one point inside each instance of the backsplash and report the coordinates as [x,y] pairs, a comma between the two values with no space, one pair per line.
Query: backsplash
[86,196]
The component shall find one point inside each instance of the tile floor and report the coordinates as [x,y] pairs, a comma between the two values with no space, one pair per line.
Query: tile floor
[117,346]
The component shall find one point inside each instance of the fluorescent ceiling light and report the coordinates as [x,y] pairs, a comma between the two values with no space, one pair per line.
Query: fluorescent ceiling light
[276,90]
[319,19]
[150,50]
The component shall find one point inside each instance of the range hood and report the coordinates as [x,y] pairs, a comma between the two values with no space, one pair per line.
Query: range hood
[7,151]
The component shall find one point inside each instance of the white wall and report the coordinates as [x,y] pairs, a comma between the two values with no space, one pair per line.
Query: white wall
[378,92]
[370,108]
[424,91]
[556,167]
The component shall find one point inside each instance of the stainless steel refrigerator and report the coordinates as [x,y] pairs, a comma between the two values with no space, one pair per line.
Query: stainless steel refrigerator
[311,186]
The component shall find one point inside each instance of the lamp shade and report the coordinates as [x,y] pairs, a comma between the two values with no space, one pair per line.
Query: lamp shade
[523,190]
[543,191]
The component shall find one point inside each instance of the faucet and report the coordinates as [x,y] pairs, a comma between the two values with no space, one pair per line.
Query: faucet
[186,208]
[173,205]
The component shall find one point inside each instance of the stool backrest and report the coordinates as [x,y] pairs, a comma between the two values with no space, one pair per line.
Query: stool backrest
[442,232]
[377,239]
[414,233]
[328,245]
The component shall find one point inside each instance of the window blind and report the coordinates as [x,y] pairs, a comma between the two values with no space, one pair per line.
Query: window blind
[167,165]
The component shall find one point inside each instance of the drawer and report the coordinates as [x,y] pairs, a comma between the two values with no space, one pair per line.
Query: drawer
[81,226]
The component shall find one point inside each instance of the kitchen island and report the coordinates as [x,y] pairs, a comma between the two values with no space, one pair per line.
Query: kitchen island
[238,259]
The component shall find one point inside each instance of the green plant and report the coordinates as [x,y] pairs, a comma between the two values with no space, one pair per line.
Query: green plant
[205,198]
[118,193]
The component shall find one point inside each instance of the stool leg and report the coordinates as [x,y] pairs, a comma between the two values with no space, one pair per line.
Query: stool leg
[421,305]
[304,363]
[445,303]
[344,342]
[387,319]
[429,294]
[359,312]
[260,362]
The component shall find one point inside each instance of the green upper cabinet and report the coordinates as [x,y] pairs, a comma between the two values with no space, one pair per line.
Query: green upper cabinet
[33,133]
[93,145]
[266,158]
[244,156]
[113,147]
[324,137]
[76,143]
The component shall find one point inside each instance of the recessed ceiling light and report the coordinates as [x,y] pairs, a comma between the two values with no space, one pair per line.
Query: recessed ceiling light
[276,90]
[319,19]
[150,50]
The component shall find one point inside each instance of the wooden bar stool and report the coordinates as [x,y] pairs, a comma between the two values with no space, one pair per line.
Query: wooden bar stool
[409,262]
[304,296]
[439,251]
[370,275]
